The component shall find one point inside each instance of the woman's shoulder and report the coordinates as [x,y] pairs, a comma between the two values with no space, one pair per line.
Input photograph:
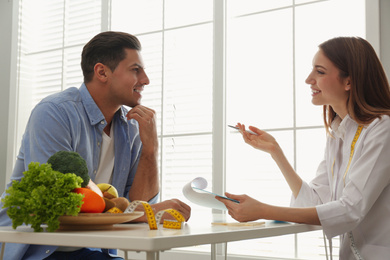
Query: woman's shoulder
[386,117]
[380,127]
[384,121]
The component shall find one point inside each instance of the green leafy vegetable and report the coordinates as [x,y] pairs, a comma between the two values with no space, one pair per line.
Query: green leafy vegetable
[70,162]
[42,196]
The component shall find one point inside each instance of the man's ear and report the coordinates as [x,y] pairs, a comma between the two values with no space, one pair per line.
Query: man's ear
[100,71]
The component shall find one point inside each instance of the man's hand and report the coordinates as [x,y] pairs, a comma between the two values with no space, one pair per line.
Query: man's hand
[146,184]
[146,119]
[176,204]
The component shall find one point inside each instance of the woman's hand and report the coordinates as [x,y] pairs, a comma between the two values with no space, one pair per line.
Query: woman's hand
[248,209]
[262,141]
[267,143]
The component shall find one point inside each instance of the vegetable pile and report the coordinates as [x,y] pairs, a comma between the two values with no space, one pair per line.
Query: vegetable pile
[70,162]
[42,196]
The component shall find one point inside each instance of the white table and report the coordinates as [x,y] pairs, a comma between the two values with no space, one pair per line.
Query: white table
[138,237]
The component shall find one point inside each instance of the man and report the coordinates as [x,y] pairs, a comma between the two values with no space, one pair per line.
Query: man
[119,146]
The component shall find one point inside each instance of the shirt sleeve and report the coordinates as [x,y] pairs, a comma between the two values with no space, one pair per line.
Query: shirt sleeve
[315,193]
[367,177]
[47,132]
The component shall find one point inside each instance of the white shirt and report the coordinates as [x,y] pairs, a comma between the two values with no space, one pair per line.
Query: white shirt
[104,173]
[107,158]
[362,203]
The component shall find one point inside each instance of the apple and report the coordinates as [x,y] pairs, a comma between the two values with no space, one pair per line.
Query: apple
[108,188]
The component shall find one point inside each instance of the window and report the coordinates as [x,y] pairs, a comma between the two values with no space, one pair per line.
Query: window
[52,35]
[267,64]
[177,51]
[265,48]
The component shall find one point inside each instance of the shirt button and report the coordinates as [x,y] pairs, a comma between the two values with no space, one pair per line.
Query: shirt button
[47,251]
[98,143]
[102,122]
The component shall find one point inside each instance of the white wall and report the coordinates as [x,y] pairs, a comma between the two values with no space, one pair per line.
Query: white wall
[8,100]
[8,43]
[385,35]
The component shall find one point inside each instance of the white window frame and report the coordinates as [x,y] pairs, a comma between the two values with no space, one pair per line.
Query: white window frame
[376,27]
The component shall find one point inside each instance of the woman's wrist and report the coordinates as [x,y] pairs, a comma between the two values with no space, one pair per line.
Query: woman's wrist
[277,153]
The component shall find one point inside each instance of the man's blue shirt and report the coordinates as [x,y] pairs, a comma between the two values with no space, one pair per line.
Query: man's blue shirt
[71,121]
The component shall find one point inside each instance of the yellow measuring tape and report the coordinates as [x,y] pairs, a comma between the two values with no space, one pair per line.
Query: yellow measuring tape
[355,138]
[153,220]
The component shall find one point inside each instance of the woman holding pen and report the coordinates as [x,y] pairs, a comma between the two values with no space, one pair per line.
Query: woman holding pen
[350,194]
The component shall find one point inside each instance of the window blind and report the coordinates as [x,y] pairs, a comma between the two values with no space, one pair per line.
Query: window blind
[52,34]
[270,45]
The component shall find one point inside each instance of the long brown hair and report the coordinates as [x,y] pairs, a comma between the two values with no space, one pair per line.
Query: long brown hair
[369,97]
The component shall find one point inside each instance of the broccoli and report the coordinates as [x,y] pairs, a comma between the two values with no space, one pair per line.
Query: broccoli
[70,162]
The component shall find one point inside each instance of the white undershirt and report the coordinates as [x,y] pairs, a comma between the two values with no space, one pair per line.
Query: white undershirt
[107,158]
[104,172]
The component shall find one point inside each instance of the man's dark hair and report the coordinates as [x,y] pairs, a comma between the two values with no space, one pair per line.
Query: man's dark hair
[107,48]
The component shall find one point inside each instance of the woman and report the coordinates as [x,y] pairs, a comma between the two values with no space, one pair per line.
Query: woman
[350,195]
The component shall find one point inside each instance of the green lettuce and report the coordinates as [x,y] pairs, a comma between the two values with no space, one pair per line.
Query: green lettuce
[42,196]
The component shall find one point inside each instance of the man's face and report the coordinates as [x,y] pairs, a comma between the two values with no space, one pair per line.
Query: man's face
[127,81]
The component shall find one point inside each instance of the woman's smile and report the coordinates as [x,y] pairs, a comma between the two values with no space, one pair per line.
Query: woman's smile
[315,92]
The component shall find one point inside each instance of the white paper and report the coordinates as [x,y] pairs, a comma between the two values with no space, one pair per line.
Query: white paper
[199,197]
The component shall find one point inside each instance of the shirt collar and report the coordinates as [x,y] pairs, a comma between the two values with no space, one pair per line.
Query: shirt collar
[94,114]
[93,111]
[121,113]
[339,126]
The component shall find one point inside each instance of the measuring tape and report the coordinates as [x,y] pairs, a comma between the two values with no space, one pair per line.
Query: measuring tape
[351,239]
[153,220]
[354,141]
[355,138]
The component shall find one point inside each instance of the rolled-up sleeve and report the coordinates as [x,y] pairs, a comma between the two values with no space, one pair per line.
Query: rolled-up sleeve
[317,192]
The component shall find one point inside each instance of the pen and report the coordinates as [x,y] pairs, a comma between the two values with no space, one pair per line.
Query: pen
[249,131]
